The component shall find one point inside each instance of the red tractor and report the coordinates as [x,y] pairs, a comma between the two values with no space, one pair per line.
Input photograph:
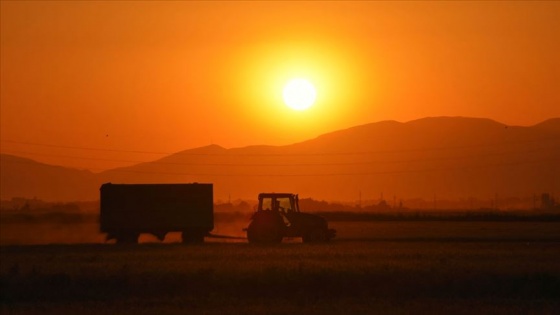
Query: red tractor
[278,216]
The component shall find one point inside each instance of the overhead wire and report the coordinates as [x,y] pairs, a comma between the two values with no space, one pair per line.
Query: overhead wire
[81,148]
[290,164]
[284,154]
[124,170]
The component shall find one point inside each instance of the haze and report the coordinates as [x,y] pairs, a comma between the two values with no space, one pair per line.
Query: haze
[97,85]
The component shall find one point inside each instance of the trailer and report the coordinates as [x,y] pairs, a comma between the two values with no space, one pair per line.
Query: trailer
[128,210]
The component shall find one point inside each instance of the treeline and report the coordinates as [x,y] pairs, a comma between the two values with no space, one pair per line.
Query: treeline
[34,210]
[467,216]
[34,206]
[48,217]
[24,210]
[333,211]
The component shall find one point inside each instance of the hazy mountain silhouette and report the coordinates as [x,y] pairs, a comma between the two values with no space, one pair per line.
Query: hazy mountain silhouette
[552,124]
[21,177]
[451,157]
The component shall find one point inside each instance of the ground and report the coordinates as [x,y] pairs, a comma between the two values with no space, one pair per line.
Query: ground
[373,267]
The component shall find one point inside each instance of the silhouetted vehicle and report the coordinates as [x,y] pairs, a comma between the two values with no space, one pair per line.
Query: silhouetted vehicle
[278,216]
[127,210]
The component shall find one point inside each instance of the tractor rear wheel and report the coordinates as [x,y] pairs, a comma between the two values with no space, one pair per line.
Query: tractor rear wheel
[267,227]
[316,236]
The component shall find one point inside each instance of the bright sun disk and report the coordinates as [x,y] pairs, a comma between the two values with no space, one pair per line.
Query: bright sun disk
[299,94]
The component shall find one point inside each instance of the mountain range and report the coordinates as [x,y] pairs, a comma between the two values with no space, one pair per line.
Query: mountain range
[448,157]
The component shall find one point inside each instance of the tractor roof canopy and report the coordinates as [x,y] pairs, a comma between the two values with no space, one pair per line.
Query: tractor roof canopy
[276,195]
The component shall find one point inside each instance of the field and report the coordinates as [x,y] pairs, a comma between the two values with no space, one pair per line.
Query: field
[372,267]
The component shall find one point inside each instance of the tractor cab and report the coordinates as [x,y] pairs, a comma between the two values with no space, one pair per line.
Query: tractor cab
[286,205]
[283,203]
[278,216]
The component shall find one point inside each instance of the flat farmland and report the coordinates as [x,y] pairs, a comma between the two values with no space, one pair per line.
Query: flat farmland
[372,267]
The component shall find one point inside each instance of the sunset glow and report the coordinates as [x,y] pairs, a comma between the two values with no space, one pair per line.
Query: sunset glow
[167,76]
[289,157]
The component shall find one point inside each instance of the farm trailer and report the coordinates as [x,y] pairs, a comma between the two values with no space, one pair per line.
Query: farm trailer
[127,210]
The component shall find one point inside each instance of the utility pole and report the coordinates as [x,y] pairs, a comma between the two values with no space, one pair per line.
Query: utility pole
[360,199]
[534,201]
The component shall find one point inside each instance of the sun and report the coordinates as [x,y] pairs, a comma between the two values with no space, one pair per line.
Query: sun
[299,94]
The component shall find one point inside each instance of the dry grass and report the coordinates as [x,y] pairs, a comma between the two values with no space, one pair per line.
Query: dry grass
[373,267]
[352,276]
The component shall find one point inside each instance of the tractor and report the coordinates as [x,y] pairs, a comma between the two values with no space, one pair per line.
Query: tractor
[278,216]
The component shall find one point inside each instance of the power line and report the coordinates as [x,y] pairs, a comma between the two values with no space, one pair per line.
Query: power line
[292,164]
[82,148]
[72,157]
[345,174]
[325,174]
[289,154]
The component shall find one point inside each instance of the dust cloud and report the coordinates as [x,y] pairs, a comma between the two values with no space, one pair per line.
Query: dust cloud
[43,230]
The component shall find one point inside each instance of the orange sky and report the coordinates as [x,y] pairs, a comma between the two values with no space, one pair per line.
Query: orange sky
[84,82]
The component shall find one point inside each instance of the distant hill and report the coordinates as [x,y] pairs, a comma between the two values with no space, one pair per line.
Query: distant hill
[21,177]
[450,157]
[552,124]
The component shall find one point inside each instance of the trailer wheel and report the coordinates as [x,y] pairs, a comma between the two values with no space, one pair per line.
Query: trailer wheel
[127,238]
[160,235]
[192,237]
